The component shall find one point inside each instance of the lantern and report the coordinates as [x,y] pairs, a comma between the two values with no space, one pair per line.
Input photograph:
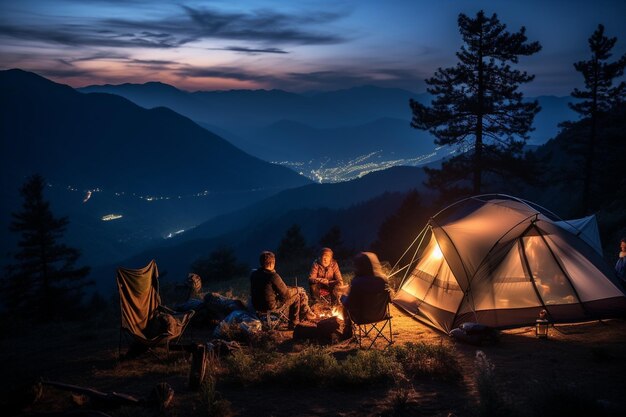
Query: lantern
[541,325]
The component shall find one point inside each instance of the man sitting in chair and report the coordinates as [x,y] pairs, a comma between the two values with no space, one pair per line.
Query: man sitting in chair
[369,293]
[268,291]
[325,276]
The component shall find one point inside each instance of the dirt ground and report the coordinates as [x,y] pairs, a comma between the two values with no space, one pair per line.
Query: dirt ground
[589,357]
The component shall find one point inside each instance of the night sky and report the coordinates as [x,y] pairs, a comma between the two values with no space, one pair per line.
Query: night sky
[296,46]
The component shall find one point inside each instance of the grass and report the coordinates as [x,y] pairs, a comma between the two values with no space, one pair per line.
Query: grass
[428,360]
[492,403]
[312,366]
[369,367]
[316,366]
[210,401]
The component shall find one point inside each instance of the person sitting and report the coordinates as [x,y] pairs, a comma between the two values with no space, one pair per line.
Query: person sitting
[325,275]
[268,291]
[368,289]
[620,266]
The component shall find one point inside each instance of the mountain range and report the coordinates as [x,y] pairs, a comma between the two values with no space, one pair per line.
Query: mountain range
[159,169]
[317,132]
[359,206]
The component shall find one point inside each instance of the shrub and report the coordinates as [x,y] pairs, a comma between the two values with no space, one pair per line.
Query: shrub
[210,401]
[491,401]
[243,368]
[367,367]
[428,360]
[312,366]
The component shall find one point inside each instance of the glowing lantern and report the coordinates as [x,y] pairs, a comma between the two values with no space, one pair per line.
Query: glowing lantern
[541,325]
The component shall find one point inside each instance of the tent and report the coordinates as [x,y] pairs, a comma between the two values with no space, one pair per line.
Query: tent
[586,228]
[499,260]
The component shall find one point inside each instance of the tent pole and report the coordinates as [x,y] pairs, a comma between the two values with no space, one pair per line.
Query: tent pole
[422,234]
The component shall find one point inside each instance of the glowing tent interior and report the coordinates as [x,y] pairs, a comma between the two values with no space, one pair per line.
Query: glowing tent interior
[499,260]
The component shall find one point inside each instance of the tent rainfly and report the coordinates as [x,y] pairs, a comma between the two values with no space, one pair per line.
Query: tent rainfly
[499,260]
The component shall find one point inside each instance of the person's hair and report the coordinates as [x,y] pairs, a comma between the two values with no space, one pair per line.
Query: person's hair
[266,258]
[367,264]
[326,250]
[622,240]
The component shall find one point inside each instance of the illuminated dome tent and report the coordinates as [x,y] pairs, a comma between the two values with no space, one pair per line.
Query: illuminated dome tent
[499,260]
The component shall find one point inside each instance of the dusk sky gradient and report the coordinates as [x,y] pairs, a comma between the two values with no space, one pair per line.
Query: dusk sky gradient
[295,45]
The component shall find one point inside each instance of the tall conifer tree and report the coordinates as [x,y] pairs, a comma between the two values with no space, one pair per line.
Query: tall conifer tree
[595,101]
[293,245]
[477,106]
[43,280]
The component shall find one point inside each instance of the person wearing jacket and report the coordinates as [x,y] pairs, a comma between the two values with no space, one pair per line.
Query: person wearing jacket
[325,274]
[620,266]
[268,291]
[369,292]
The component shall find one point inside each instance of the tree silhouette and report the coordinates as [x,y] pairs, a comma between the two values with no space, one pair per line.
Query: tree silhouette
[43,281]
[477,106]
[292,245]
[221,264]
[332,239]
[397,232]
[293,255]
[596,100]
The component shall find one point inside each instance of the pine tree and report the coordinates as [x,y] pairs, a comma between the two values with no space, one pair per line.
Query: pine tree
[332,239]
[397,232]
[293,255]
[477,106]
[596,100]
[220,265]
[43,281]
[293,245]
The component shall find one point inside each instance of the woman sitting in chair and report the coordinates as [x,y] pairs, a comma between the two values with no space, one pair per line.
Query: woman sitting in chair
[369,294]
[325,277]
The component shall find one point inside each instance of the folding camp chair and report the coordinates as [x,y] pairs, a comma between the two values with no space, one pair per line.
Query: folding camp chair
[370,317]
[142,312]
[272,319]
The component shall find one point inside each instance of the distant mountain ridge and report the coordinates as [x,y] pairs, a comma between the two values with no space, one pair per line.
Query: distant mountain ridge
[159,169]
[243,110]
[152,151]
[323,129]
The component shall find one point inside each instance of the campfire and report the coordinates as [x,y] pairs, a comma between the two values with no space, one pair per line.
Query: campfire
[334,312]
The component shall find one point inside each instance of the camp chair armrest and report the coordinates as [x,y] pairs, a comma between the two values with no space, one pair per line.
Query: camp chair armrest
[167,310]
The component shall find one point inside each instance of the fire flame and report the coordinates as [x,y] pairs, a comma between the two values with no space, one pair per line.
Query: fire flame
[336,312]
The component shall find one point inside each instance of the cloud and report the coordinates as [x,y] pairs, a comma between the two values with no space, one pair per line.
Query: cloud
[264,26]
[226,72]
[252,51]
[342,78]
[63,73]
[77,35]
[300,81]
[101,56]
[188,25]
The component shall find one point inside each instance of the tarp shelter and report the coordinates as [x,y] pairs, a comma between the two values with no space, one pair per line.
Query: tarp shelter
[499,260]
[143,316]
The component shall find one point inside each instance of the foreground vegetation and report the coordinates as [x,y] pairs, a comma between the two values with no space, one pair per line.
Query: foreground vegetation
[578,372]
